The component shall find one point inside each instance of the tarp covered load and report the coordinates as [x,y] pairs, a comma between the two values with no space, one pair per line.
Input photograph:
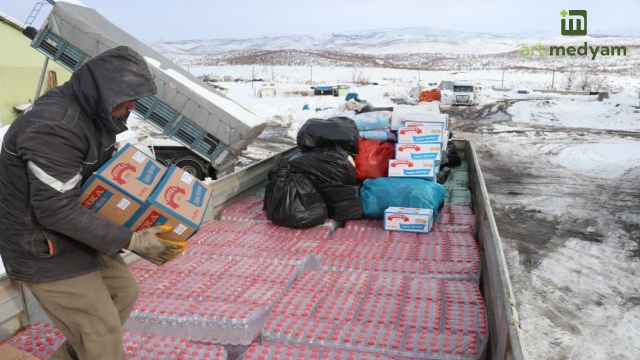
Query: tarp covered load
[188,106]
[381,193]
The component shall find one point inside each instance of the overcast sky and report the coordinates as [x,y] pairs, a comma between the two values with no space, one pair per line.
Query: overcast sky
[158,20]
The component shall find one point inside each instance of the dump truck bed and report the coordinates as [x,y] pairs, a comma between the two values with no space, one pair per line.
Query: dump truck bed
[204,120]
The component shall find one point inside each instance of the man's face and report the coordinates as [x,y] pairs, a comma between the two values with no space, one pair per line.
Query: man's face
[121,110]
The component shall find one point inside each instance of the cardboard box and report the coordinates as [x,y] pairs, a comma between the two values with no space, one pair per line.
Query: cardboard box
[436,124]
[133,172]
[408,219]
[120,187]
[425,169]
[425,135]
[180,200]
[8,352]
[430,122]
[423,111]
[108,201]
[426,118]
[417,151]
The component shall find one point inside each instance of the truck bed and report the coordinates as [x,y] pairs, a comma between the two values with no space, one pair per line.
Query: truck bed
[358,282]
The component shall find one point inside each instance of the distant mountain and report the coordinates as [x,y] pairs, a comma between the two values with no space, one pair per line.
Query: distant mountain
[412,47]
[379,41]
[382,41]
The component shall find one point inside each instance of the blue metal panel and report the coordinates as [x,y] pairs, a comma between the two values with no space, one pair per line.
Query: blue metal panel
[156,112]
[60,50]
[151,108]
[190,134]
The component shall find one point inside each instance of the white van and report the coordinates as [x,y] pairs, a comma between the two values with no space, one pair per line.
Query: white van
[463,93]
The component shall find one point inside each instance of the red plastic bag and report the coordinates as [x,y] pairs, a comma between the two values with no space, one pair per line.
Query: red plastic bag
[373,158]
[430,95]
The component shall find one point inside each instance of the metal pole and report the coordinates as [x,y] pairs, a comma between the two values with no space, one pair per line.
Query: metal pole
[553,77]
[41,81]
[311,74]
[502,83]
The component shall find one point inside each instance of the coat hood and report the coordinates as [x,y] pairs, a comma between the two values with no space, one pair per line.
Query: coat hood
[104,81]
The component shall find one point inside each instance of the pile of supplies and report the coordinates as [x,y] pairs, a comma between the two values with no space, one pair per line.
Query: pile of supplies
[401,156]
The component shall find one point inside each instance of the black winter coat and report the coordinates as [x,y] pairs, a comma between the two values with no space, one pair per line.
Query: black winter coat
[47,154]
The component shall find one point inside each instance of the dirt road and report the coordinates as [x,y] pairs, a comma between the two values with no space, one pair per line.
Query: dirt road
[571,240]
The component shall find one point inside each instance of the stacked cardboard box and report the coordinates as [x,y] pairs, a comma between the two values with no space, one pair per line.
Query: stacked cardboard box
[422,136]
[408,219]
[121,186]
[137,192]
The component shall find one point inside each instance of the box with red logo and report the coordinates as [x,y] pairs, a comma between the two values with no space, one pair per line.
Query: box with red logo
[425,169]
[418,151]
[109,202]
[428,134]
[133,172]
[180,200]
[408,219]
[120,187]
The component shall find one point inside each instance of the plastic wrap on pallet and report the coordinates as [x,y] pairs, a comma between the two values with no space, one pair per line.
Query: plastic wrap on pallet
[281,351]
[355,233]
[392,315]
[467,270]
[274,350]
[365,224]
[224,323]
[222,299]
[41,341]
[447,254]
[457,209]
[247,209]
[453,228]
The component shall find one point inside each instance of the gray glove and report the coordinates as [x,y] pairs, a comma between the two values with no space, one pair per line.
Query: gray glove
[148,244]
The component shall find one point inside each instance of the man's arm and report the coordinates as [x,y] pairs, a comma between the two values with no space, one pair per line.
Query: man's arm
[53,155]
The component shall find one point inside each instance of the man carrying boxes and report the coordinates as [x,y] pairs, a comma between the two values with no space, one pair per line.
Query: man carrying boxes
[65,253]
[137,192]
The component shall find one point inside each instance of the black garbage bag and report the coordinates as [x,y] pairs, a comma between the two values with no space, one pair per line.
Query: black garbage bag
[337,131]
[291,200]
[443,175]
[343,201]
[444,161]
[323,166]
[452,155]
[368,108]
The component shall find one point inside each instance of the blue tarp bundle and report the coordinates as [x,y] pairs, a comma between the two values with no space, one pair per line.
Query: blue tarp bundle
[378,194]
[378,135]
[374,120]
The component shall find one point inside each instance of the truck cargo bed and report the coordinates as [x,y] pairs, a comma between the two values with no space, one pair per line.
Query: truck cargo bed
[355,290]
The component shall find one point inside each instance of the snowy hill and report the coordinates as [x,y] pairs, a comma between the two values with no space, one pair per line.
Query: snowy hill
[411,48]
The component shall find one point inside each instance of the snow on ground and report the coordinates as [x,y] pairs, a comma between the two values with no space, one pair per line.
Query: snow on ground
[562,173]
[608,159]
[620,112]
